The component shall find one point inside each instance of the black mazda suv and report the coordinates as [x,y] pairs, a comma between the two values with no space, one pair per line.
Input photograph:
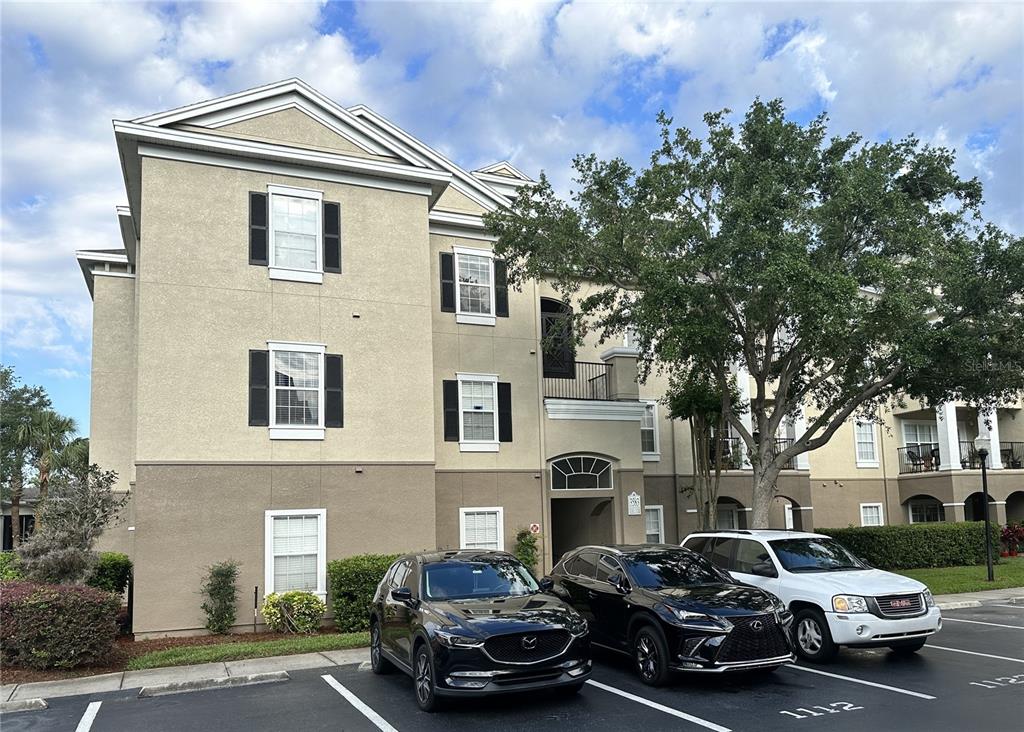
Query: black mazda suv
[472,623]
[672,610]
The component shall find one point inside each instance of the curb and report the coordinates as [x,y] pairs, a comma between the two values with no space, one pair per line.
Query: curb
[221,682]
[958,605]
[23,705]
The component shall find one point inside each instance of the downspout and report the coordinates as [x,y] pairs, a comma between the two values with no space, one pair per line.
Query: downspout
[885,471]
[547,559]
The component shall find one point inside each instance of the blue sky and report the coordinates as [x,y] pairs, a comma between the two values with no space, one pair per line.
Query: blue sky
[531,82]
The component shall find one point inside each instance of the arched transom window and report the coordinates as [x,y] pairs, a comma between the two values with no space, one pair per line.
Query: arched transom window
[581,472]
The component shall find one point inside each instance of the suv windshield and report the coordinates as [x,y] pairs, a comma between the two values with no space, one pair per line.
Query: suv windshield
[658,570]
[814,555]
[497,577]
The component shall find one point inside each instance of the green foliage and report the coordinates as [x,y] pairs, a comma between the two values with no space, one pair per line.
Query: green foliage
[1013,535]
[10,566]
[951,580]
[111,573]
[72,517]
[526,550]
[56,626]
[220,592]
[910,546]
[293,612]
[351,583]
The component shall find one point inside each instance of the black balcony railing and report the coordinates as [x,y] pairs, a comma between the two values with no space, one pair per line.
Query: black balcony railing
[919,458]
[590,382]
[1012,454]
[782,443]
[728,452]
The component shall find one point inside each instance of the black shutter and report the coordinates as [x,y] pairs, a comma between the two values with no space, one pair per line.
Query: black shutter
[332,237]
[334,391]
[500,288]
[504,412]
[447,282]
[259,388]
[258,228]
[450,392]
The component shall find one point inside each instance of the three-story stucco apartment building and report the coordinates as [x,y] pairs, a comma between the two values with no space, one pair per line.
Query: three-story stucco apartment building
[305,350]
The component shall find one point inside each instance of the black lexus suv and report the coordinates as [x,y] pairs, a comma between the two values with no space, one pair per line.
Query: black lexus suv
[475,622]
[672,610]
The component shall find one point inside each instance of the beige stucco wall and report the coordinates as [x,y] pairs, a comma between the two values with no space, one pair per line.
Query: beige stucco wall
[519,493]
[202,307]
[454,200]
[191,516]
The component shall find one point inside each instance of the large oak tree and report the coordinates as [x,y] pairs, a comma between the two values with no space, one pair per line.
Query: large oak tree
[842,273]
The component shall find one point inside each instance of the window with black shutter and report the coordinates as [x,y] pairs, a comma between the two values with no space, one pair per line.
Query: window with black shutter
[332,237]
[334,391]
[450,396]
[258,229]
[447,282]
[504,412]
[559,353]
[259,388]
[500,288]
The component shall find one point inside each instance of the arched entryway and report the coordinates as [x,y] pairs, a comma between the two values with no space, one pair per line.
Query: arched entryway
[924,509]
[974,507]
[730,514]
[785,513]
[582,501]
[1015,506]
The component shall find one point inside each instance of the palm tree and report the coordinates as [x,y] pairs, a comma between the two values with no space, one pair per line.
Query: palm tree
[47,435]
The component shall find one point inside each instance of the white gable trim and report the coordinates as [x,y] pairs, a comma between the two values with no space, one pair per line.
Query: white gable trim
[504,164]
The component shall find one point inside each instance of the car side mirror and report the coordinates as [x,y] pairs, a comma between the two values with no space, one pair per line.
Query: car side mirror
[546,584]
[619,583]
[764,569]
[402,594]
[864,561]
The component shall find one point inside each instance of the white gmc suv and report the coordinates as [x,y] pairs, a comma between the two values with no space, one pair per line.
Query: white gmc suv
[836,598]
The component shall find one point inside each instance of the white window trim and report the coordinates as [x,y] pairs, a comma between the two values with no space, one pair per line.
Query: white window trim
[874,445]
[478,445]
[482,509]
[473,318]
[321,548]
[284,273]
[910,511]
[661,521]
[288,431]
[881,513]
[611,473]
[735,516]
[653,457]
[903,431]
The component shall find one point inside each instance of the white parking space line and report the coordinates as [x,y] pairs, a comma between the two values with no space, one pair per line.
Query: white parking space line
[1012,607]
[895,689]
[980,622]
[85,723]
[660,707]
[382,724]
[975,653]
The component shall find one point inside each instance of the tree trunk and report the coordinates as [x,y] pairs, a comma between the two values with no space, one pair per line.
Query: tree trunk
[17,487]
[44,486]
[764,478]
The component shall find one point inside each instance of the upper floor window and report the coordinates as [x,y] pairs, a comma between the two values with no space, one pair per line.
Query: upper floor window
[557,344]
[295,233]
[477,412]
[474,286]
[649,432]
[581,472]
[297,387]
[864,436]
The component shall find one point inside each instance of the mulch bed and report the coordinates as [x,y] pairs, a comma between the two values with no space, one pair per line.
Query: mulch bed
[126,649]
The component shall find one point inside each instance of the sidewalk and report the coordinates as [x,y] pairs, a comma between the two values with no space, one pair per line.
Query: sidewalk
[179,678]
[1011,595]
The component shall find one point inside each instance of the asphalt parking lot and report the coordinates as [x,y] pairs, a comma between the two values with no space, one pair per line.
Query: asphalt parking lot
[969,677]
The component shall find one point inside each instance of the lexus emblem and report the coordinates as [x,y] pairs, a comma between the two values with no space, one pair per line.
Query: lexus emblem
[529,642]
[757,626]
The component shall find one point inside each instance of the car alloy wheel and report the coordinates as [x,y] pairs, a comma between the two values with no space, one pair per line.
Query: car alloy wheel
[808,635]
[647,660]
[424,680]
[375,644]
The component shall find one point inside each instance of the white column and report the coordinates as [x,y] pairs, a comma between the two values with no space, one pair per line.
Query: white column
[743,387]
[803,460]
[991,430]
[949,440]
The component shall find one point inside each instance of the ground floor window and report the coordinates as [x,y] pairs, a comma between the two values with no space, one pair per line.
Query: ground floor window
[654,524]
[296,551]
[726,518]
[871,514]
[481,528]
[923,512]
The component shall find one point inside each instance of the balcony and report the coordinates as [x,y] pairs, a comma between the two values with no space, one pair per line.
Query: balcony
[730,453]
[926,457]
[589,381]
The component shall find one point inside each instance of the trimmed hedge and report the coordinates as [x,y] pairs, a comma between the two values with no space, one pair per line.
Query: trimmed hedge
[10,566]
[293,612]
[112,573]
[911,546]
[56,626]
[351,583]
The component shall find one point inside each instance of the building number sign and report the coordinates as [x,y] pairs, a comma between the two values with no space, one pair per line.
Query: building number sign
[633,506]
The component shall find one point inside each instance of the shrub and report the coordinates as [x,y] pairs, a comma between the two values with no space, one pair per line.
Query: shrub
[220,592]
[526,548]
[351,583]
[917,545]
[1013,535]
[10,566]
[56,626]
[112,573]
[293,612]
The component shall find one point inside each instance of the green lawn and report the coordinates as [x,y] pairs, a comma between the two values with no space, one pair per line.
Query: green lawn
[951,580]
[188,655]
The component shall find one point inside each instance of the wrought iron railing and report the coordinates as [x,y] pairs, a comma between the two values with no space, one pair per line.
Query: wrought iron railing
[919,458]
[591,381]
[782,443]
[1012,454]
[729,452]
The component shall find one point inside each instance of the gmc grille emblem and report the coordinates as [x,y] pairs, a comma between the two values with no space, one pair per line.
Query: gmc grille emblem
[529,643]
[900,603]
[757,626]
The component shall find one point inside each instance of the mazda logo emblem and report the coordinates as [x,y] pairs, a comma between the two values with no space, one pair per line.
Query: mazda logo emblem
[529,642]
[757,626]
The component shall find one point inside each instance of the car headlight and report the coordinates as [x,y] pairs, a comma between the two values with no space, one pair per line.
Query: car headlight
[698,621]
[929,599]
[579,627]
[778,605]
[849,604]
[454,640]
